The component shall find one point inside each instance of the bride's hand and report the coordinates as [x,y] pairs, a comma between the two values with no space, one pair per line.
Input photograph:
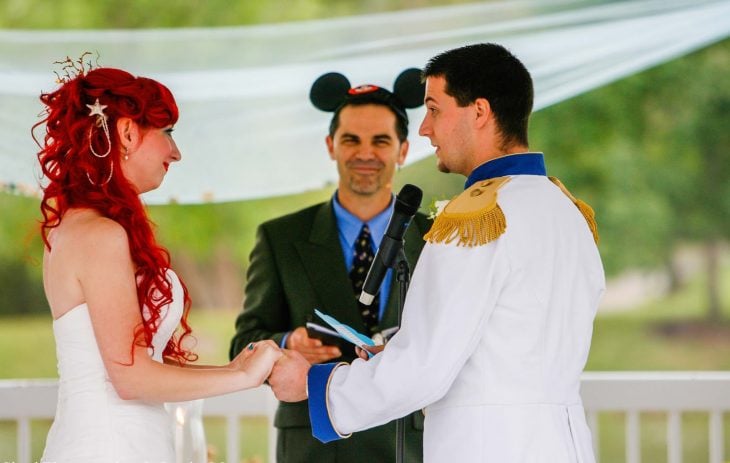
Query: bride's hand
[257,360]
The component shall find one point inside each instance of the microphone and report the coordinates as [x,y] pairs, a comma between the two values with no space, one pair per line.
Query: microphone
[406,204]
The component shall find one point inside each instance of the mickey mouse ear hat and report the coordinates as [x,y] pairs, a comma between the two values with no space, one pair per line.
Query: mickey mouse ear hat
[332,91]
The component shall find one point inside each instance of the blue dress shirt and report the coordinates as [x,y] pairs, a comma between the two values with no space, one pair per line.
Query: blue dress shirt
[349,227]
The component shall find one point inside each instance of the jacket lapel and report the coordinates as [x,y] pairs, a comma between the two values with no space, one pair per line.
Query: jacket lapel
[324,265]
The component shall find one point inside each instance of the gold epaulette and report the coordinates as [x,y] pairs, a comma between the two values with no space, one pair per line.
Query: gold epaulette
[473,217]
[583,207]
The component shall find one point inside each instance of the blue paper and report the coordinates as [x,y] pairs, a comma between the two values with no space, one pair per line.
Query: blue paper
[347,332]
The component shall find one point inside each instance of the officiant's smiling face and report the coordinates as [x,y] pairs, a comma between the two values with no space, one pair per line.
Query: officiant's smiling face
[366,148]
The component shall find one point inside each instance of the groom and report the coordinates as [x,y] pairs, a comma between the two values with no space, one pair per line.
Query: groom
[498,321]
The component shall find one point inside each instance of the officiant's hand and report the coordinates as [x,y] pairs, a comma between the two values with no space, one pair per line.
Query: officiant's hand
[372,349]
[312,349]
[288,378]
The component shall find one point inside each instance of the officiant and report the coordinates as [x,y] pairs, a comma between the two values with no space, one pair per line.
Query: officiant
[318,257]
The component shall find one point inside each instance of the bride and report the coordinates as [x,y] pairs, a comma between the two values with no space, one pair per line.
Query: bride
[119,311]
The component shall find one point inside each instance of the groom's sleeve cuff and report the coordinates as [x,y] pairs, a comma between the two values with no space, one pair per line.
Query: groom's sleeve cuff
[318,380]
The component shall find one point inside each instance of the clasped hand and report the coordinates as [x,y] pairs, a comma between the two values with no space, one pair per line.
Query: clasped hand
[288,378]
[285,370]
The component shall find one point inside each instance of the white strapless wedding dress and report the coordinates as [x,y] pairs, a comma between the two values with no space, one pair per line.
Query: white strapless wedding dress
[92,423]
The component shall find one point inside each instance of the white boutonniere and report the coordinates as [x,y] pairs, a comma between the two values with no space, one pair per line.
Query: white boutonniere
[435,208]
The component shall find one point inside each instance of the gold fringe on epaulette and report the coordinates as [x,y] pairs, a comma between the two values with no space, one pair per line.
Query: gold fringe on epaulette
[583,207]
[590,217]
[471,229]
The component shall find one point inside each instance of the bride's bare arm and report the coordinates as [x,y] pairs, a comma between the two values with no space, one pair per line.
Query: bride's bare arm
[106,274]
[172,361]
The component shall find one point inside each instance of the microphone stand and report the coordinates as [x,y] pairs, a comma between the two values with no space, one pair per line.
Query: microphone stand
[403,277]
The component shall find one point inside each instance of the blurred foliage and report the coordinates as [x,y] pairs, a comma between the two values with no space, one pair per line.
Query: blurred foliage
[199,229]
[21,288]
[649,153]
[109,14]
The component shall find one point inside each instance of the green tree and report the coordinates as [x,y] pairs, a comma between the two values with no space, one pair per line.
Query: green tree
[695,135]
[650,154]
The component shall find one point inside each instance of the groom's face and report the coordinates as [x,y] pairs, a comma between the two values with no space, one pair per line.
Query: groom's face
[366,148]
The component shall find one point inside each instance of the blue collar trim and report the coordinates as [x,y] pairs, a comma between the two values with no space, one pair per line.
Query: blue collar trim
[511,164]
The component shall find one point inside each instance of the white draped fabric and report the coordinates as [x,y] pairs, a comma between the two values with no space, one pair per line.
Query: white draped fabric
[247,128]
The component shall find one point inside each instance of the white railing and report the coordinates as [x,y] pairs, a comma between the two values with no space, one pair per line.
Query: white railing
[670,392]
[23,400]
[628,392]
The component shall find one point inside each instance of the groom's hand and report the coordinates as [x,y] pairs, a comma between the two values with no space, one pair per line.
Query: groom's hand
[372,349]
[288,378]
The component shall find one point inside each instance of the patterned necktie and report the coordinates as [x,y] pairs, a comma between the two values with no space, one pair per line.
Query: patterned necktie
[362,258]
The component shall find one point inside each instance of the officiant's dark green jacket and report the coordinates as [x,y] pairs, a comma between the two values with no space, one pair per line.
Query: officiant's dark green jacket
[296,266]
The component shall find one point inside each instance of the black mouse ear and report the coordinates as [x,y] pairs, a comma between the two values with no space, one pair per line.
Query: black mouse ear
[329,91]
[409,89]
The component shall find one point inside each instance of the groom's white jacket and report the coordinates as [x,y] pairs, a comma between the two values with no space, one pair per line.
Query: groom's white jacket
[493,341]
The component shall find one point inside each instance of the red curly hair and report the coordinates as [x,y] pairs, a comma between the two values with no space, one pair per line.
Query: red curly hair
[76,178]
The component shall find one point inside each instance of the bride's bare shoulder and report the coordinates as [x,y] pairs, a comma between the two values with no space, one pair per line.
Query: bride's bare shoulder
[88,232]
[84,246]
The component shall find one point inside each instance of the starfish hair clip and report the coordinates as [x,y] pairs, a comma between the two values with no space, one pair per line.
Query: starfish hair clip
[97,109]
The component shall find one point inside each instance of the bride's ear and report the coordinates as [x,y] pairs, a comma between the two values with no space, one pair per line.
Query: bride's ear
[129,133]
